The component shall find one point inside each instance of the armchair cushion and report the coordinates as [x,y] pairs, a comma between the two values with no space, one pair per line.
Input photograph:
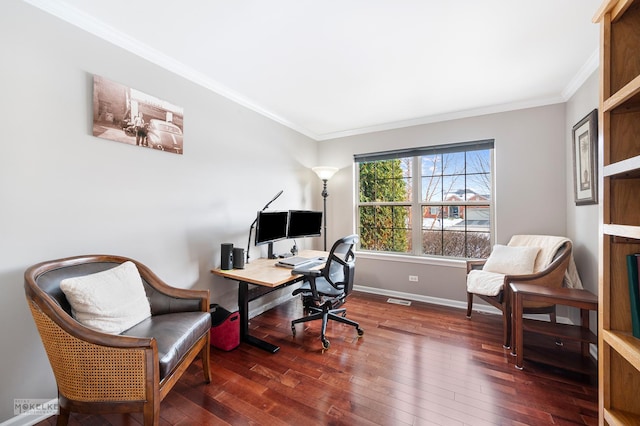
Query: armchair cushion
[485,282]
[175,335]
[109,301]
[511,260]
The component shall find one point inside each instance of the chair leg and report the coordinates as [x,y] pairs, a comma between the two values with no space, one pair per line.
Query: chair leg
[63,417]
[469,304]
[151,413]
[205,354]
[311,317]
[343,320]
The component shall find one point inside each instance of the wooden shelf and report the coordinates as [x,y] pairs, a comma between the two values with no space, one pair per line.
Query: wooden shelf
[562,331]
[627,93]
[619,351]
[629,168]
[621,418]
[625,231]
[624,344]
[545,350]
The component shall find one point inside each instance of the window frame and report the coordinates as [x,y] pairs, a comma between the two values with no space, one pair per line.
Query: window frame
[416,204]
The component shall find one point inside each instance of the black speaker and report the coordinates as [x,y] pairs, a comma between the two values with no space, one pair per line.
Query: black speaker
[226,256]
[238,258]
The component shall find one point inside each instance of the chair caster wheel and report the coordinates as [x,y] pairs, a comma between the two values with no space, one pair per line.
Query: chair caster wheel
[325,344]
[360,331]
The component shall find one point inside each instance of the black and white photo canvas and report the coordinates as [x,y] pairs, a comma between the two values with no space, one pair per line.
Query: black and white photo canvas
[127,115]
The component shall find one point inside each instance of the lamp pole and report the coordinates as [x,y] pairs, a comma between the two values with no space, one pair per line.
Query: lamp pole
[324,194]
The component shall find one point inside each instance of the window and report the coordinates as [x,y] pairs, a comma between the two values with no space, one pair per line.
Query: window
[431,201]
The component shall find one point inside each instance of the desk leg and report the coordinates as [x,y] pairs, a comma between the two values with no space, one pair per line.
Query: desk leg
[243,310]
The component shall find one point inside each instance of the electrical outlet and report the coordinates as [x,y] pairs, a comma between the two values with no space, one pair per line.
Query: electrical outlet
[413,278]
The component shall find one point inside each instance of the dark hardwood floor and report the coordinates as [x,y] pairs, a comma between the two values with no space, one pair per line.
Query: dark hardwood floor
[417,365]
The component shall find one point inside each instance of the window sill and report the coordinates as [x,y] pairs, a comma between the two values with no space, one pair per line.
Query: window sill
[407,258]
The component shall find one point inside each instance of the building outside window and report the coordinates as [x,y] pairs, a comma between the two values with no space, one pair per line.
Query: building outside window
[429,201]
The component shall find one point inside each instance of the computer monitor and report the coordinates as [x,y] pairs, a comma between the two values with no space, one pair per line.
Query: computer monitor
[304,223]
[271,227]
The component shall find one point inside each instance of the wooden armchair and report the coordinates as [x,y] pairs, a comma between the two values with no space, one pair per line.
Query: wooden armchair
[548,274]
[132,371]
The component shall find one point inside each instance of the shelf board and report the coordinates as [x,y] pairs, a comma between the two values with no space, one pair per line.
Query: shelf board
[620,418]
[626,231]
[625,168]
[560,357]
[624,344]
[621,96]
[564,331]
[543,349]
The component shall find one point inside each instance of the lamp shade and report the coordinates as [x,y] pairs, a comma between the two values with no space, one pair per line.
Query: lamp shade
[325,173]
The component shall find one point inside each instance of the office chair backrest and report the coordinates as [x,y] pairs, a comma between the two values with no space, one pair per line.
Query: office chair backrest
[339,270]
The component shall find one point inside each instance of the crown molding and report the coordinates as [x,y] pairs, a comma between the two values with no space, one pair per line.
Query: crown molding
[103,31]
[582,75]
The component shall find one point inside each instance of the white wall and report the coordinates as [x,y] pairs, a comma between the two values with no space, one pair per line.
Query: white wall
[64,192]
[582,221]
[530,161]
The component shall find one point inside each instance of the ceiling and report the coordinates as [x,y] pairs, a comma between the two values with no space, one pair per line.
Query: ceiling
[331,68]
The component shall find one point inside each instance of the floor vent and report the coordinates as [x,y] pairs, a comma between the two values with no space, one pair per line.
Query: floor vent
[399,302]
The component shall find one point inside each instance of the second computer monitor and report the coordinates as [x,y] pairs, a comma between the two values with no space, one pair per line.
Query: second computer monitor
[304,223]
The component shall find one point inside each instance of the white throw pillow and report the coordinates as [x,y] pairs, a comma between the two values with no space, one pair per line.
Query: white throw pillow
[110,301]
[511,260]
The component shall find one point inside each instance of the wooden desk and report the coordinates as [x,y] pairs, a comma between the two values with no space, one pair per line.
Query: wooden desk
[582,299]
[268,277]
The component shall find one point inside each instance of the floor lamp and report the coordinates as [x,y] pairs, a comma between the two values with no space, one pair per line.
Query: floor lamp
[325,173]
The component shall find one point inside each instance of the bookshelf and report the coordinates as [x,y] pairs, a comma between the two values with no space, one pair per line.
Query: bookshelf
[619,124]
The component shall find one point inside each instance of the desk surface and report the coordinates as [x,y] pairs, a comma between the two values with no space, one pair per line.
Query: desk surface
[264,271]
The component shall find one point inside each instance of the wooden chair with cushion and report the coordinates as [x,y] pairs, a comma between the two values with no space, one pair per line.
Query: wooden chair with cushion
[532,259]
[126,355]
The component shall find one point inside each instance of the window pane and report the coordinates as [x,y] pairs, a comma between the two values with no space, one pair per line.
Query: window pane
[478,245]
[432,188]
[453,187]
[432,243]
[479,187]
[453,243]
[385,181]
[385,228]
[431,218]
[431,165]
[479,161]
[453,163]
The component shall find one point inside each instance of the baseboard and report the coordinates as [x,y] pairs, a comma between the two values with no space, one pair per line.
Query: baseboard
[27,419]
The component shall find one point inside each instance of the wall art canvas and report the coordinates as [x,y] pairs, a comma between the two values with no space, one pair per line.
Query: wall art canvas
[127,115]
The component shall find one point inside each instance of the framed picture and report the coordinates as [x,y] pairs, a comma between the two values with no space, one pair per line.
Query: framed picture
[585,162]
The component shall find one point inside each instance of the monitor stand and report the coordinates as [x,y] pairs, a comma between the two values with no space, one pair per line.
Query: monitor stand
[270,254]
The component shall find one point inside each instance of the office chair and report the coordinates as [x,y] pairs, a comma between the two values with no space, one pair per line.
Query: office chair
[325,290]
